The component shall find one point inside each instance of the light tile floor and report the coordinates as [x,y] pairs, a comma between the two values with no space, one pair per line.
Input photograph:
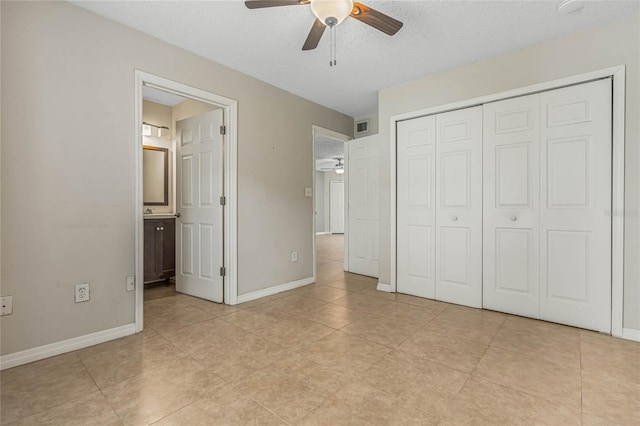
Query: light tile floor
[334,352]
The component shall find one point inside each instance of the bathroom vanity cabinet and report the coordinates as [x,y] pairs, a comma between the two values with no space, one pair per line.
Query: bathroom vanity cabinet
[159,249]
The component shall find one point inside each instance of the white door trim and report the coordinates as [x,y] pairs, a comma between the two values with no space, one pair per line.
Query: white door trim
[618,126]
[317,130]
[230,108]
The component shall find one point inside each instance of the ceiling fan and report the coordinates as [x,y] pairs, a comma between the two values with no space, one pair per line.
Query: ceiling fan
[330,13]
[339,167]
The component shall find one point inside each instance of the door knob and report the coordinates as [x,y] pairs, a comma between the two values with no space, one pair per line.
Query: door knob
[514,218]
[177,214]
[454,218]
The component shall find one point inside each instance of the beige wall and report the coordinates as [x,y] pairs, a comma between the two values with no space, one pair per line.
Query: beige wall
[328,178]
[68,168]
[160,115]
[189,108]
[616,43]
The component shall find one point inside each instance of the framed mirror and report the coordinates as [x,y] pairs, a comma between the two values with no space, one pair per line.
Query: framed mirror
[155,169]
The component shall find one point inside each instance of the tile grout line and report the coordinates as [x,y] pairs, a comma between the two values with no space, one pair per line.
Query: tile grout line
[258,403]
[98,387]
[523,390]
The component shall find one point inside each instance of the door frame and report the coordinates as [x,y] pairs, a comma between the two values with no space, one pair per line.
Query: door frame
[317,130]
[617,75]
[230,172]
[331,182]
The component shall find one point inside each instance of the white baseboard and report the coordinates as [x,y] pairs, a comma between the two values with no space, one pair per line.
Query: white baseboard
[323,233]
[41,352]
[274,290]
[631,334]
[384,287]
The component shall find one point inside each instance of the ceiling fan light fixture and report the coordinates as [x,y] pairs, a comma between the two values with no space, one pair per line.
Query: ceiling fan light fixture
[331,12]
[340,171]
[570,6]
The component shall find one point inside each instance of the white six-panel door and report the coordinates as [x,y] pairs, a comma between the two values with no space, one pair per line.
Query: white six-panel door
[459,207]
[199,251]
[575,193]
[416,209]
[363,164]
[511,207]
[547,198]
[336,207]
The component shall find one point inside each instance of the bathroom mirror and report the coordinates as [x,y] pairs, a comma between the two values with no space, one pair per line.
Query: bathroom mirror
[155,166]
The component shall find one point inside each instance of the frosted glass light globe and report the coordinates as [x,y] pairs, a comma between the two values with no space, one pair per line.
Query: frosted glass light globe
[327,9]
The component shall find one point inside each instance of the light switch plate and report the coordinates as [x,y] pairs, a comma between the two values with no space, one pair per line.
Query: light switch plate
[131,283]
[308,192]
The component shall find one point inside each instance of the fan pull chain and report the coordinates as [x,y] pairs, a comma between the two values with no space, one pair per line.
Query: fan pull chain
[332,56]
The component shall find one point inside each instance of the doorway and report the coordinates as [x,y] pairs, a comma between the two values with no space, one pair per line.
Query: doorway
[330,195]
[200,134]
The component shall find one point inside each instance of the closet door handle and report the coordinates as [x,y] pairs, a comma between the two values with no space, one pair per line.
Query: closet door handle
[514,218]
[454,218]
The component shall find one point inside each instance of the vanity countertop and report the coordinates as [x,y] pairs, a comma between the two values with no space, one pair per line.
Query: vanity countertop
[159,216]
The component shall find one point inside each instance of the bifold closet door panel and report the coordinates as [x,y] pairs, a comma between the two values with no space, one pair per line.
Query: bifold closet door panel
[416,207]
[459,207]
[511,206]
[575,193]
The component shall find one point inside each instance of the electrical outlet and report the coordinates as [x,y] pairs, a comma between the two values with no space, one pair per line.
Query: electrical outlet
[294,256]
[82,293]
[7,305]
[131,283]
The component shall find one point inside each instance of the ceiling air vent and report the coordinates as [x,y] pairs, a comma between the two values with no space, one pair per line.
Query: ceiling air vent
[362,127]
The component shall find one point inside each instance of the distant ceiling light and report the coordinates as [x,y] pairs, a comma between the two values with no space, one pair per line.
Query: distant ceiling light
[339,171]
[570,6]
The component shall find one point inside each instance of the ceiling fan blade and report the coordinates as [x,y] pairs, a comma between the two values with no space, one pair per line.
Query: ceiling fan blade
[314,35]
[259,4]
[377,20]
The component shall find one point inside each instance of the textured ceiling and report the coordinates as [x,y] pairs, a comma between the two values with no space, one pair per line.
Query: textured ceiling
[437,35]
[327,150]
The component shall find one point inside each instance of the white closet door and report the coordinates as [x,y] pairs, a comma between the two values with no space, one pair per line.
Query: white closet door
[575,243]
[459,207]
[511,206]
[416,207]
[364,209]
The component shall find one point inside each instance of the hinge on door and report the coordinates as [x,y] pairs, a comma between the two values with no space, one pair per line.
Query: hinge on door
[223,201]
[223,130]
[223,271]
